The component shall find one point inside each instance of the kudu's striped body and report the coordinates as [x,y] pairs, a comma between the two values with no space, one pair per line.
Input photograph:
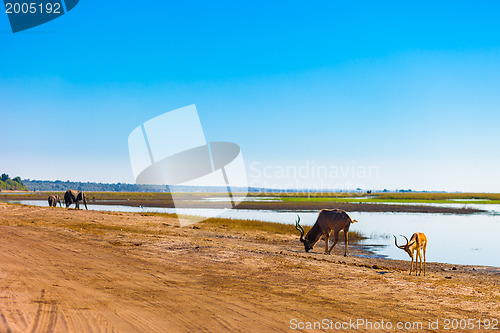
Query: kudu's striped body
[328,220]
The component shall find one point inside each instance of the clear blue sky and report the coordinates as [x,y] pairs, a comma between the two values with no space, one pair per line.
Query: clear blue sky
[409,91]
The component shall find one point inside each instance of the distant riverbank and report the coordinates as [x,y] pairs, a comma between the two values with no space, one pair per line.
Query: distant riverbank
[196,200]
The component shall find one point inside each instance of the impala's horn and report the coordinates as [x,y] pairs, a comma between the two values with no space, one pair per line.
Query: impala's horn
[396,242]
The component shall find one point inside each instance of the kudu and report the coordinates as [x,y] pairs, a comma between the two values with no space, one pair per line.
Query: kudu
[416,243]
[328,220]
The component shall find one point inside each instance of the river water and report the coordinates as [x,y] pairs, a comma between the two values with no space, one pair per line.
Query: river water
[456,239]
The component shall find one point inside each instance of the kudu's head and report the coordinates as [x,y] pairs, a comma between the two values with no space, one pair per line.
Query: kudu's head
[406,247]
[307,244]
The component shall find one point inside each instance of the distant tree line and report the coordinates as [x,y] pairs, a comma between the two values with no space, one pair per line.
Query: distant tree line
[61,186]
[11,184]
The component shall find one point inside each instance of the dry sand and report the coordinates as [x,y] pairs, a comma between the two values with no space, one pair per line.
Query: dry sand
[64,270]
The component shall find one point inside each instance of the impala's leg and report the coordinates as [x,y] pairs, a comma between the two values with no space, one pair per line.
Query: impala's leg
[411,266]
[425,260]
[416,263]
[336,239]
[419,260]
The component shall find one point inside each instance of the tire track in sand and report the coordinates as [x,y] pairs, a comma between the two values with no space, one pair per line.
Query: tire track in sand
[12,316]
[46,315]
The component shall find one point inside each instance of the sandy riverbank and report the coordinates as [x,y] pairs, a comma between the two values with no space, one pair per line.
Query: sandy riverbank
[75,271]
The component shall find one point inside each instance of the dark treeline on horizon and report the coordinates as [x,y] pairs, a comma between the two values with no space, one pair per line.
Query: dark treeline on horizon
[59,185]
[14,184]
[62,186]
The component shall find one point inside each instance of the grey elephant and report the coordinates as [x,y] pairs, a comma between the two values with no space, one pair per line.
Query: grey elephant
[53,200]
[74,197]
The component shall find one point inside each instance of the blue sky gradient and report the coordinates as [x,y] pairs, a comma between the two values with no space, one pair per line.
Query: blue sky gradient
[410,88]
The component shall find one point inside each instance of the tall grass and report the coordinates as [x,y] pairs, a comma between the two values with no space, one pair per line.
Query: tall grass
[421,197]
[289,196]
[271,227]
[437,196]
[252,225]
[279,194]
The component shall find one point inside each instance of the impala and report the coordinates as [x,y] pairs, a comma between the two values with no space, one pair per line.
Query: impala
[328,220]
[418,243]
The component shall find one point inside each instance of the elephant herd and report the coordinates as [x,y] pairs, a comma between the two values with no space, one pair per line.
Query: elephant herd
[70,197]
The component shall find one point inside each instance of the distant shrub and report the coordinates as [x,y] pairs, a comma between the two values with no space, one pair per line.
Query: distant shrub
[11,184]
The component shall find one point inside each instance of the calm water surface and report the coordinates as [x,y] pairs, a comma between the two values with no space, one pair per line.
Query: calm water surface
[459,239]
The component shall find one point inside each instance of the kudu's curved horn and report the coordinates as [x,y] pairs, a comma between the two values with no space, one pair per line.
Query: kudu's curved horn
[299,228]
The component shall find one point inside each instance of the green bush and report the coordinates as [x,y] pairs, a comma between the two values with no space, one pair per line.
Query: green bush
[11,184]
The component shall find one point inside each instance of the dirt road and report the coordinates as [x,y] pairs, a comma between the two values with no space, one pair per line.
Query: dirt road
[84,271]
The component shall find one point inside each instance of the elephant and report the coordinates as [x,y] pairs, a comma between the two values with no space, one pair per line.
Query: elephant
[72,196]
[53,200]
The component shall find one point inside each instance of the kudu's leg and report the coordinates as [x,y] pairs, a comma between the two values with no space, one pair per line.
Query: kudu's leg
[327,236]
[336,240]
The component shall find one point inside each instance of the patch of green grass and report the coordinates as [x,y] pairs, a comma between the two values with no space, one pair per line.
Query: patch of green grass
[442,198]
[309,195]
[240,224]
[436,196]
[271,227]
[322,199]
[443,201]
[97,228]
[411,197]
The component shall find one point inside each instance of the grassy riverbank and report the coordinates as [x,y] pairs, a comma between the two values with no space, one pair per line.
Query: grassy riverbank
[375,202]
